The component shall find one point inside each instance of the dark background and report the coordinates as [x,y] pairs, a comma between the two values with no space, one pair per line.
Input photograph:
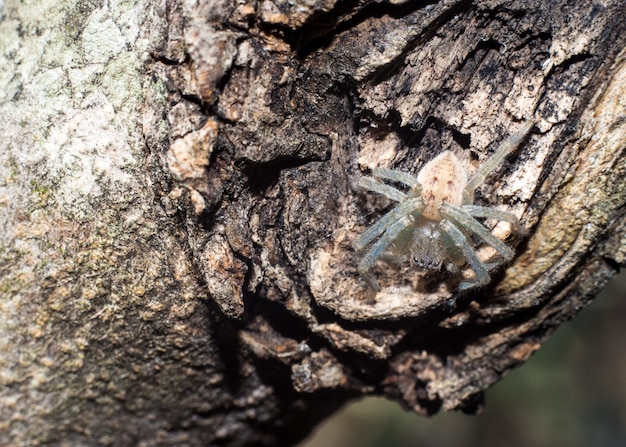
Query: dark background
[571,393]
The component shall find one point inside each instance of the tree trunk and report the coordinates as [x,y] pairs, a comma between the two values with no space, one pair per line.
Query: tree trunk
[179,199]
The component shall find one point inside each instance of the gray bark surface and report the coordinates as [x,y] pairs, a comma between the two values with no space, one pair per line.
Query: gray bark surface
[179,200]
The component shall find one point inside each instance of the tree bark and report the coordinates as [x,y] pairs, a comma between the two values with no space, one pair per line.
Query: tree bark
[179,201]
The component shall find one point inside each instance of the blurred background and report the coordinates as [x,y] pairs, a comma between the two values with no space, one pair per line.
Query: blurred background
[571,393]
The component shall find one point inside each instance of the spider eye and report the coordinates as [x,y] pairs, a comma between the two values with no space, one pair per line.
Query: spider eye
[427,263]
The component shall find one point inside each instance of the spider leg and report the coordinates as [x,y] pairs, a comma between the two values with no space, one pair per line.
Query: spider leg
[452,267]
[507,146]
[396,176]
[413,205]
[490,213]
[461,243]
[463,219]
[392,259]
[380,246]
[388,191]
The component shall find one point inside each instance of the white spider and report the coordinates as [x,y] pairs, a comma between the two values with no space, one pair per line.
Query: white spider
[434,220]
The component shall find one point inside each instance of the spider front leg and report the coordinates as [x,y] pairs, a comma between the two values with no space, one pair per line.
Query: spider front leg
[456,241]
[414,205]
[462,218]
[397,221]
[392,233]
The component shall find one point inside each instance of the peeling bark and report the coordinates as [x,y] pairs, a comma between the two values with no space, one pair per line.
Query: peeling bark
[180,200]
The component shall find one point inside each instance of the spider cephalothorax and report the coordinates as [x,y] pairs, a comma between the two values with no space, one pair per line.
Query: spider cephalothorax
[433,221]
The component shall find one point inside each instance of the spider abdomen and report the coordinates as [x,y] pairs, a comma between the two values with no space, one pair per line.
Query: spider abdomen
[442,179]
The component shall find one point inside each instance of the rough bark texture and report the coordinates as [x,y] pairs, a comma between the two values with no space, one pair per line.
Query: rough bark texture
[179,197]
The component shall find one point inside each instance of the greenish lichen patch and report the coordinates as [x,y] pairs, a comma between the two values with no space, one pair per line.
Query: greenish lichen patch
[592,200]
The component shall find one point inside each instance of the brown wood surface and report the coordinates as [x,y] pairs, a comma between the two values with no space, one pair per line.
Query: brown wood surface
[215,300]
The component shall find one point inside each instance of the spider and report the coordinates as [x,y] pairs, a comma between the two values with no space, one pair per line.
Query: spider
[434,220]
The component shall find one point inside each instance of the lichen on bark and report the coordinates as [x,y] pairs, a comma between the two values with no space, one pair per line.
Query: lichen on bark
[179,201]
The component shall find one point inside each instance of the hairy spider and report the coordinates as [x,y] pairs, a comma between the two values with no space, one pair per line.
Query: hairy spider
[434,220]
